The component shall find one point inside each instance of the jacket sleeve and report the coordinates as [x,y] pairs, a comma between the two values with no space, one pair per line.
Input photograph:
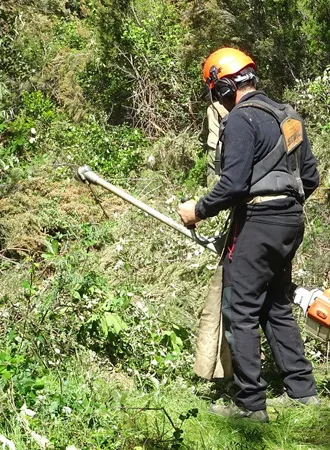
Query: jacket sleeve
[234,183]
[308,170]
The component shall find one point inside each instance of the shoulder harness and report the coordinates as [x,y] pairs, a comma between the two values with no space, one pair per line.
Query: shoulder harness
[265,179]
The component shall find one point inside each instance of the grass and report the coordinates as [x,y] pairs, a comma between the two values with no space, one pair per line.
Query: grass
[98,315]
[98,322]
[96,408]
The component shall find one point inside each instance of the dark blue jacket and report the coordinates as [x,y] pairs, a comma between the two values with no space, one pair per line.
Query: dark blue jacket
[251,134]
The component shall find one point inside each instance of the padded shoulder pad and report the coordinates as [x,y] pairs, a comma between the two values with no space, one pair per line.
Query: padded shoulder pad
[280,113]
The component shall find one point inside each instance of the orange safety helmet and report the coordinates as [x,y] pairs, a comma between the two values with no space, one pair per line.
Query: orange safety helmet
[225,62]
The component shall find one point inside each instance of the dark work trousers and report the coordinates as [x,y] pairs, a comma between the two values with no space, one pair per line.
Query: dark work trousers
[256,275]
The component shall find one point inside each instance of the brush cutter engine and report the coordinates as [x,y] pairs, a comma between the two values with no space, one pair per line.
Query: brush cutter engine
[316,306]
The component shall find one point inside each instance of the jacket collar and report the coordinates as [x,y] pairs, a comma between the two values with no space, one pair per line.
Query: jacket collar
[250,95]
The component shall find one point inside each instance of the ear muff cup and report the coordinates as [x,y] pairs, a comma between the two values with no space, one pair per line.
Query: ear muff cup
[225,88]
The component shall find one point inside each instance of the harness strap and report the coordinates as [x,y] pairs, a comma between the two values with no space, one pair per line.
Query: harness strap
[265,165]
[277,112]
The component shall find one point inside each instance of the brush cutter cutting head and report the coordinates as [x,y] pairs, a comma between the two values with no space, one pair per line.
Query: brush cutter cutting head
[81,172]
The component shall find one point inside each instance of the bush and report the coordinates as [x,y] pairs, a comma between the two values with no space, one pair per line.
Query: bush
[311,98]
[114,151]
[174,155]
[142,67]
[22,137]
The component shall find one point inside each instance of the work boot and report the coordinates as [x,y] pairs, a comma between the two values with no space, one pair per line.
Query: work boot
[286,402]
[235,412]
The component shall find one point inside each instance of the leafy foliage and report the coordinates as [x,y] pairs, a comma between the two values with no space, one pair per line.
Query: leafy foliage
[316,30]
[98,317]
[143,66]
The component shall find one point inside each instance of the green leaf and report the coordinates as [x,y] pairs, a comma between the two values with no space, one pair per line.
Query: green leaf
[39,384]
[4,356]
[52,247]
[76,295]
[112,322]
[26,284]
[6,374]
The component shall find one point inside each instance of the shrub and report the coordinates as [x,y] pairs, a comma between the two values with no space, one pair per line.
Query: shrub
[23,136]
[114,151]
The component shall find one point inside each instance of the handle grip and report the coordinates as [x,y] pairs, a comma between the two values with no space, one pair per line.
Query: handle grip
[184,200]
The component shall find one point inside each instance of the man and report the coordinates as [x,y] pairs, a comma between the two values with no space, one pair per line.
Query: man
[267,171]
[215,113]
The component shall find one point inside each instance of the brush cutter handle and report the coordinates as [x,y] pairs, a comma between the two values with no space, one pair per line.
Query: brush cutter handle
[199,239]
[184,200]
[215,244]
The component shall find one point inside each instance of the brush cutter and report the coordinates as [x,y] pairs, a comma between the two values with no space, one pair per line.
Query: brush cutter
[315,303]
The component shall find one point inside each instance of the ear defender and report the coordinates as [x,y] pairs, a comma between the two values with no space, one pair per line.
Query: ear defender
[222,88]
[220,68]
[225,88]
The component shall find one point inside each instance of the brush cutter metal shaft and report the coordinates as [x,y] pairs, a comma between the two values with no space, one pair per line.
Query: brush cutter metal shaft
[85,174]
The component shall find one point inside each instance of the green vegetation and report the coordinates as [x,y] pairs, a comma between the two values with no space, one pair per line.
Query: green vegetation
[99,306]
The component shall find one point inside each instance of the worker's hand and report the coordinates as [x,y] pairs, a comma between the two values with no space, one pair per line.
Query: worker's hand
[187,213]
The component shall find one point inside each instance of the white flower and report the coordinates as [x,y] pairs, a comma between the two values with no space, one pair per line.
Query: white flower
[141,306]
[301,273]
[32,140]
[33,131]
[67,410]
[151,161]
[7,443]
[119,264]
[171,199]
[71,447]
[168,362]
[42,441]
[27,412]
